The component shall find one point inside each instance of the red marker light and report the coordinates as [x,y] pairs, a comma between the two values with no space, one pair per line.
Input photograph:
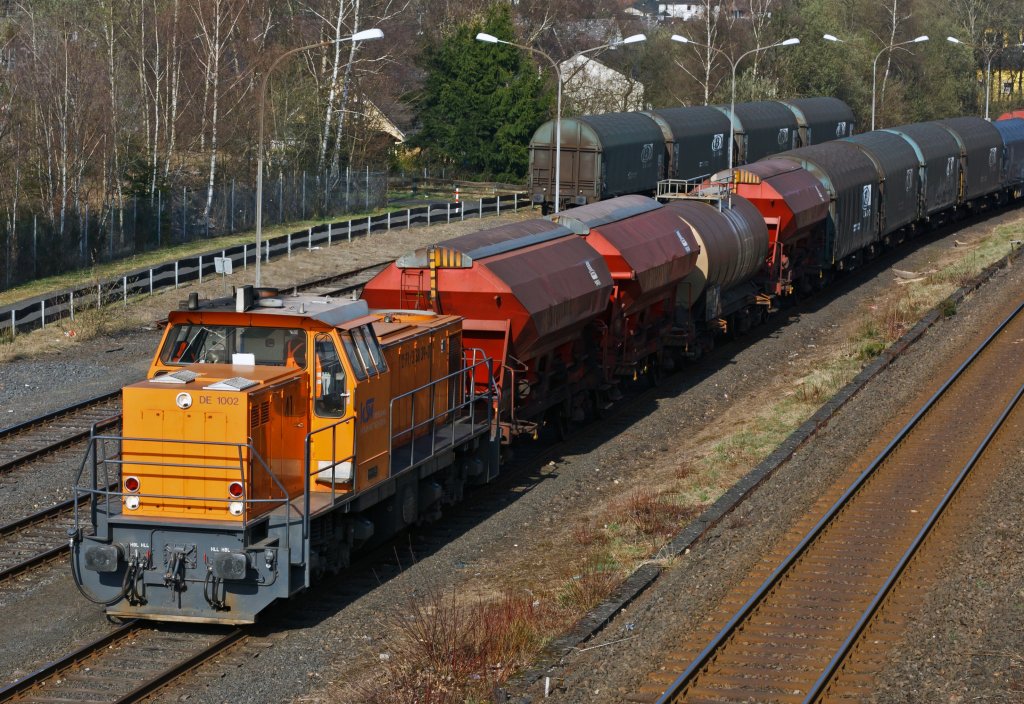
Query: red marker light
[235,490]
[131,484]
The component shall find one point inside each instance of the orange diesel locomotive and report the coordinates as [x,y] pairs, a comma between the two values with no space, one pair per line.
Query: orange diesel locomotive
[272,436]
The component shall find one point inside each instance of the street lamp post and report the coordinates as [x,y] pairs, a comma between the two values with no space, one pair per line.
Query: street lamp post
[874,64]
[734,63]
[491,39]
[989,51]
[357,37]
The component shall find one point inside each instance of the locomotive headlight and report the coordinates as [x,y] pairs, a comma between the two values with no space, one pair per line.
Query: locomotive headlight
[235,508]
[131,502]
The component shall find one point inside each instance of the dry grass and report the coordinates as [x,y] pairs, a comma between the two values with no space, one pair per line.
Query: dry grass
[445,651]
[592,585]
[822,384]
[651,513]
[65,335]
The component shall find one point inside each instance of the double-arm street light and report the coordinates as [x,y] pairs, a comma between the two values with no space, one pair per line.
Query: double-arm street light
[874,64]
[491,39]
[733,62]
[989,52]
[357,37]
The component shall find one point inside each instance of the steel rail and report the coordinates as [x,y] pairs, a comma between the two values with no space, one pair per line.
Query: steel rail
[80,655]
[35,561]
[53,415]
[46,671]
[37,517]
[28,521]
[825,680]
[327,280]
[182,668]
[25,427]
[707,654]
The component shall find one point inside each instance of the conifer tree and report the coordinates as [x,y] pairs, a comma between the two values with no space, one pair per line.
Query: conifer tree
[481,102]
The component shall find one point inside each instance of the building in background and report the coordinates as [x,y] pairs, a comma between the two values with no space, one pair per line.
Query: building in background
[591,88]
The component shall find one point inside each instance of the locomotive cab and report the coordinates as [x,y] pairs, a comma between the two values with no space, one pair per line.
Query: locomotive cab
[266,443]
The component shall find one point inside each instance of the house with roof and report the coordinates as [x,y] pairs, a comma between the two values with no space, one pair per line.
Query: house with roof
[691,10]
[590,87]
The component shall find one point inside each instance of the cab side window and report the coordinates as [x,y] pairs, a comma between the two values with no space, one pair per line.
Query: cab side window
[364,352]
[331,394]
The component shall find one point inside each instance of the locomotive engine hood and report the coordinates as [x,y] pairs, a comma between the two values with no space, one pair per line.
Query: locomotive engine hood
[212,431]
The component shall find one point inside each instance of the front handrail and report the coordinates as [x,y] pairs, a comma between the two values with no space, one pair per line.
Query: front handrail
[98,460]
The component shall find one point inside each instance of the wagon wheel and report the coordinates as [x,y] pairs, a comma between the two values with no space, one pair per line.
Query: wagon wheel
[555,427]
[594,401]
[652,370]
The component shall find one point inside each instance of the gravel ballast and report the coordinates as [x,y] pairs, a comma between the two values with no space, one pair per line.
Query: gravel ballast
[527,540]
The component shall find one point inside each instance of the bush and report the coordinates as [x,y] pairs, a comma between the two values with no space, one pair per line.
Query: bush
[447,651]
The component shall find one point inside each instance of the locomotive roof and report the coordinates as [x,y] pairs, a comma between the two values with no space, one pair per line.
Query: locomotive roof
[330,311]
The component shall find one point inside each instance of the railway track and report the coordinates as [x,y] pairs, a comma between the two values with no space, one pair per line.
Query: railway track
[125,665]
[801,636]
[30,440]
[35,540]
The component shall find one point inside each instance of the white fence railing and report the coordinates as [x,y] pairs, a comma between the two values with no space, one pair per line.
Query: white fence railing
[49,308]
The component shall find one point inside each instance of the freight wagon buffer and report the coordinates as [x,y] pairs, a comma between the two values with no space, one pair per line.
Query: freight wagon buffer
[272,438]
[533,295]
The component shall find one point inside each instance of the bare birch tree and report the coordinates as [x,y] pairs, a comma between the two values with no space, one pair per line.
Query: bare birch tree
[895,20]
[218,23]
[760,20]
[711,38]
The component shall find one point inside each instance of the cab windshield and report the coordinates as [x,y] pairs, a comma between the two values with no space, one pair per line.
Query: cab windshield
[231,344]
